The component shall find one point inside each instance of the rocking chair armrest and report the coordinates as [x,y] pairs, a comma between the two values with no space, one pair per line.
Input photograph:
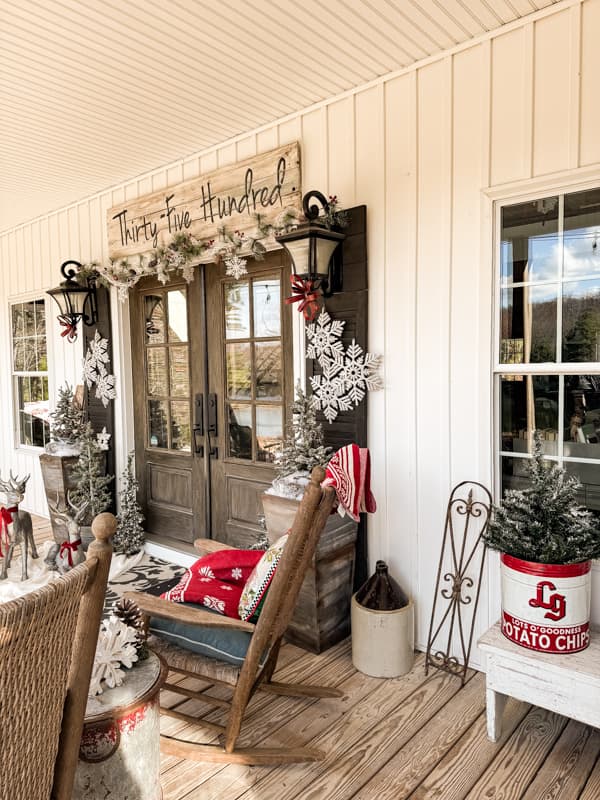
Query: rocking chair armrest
[206,546]
[165,609]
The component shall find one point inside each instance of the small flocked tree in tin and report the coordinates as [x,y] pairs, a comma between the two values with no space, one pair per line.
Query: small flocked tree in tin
[129,537]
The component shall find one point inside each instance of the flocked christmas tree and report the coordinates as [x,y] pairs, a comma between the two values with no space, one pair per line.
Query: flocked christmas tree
[89,476]
[303,447]
[67,418]
[544,522]
[129,537]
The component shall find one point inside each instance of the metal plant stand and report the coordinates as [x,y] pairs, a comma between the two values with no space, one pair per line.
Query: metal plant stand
[469,510]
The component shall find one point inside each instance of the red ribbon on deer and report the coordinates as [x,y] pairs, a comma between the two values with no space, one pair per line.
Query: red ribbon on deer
[305,293]
[70,547]
[70,328]
[6,520]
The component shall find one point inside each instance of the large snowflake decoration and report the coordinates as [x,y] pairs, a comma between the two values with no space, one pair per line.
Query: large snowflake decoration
[324,338]
[95,370]
[236,267]
[360,373]
[329,390]
[116,648]
[347,374]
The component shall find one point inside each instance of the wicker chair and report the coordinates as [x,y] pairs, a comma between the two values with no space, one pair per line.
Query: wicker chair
[260,661]
[47,645]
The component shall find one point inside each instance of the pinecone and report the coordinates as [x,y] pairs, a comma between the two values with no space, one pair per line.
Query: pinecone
[128,612]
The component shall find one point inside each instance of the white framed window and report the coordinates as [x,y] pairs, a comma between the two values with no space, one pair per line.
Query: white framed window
[30,372]
[547,347]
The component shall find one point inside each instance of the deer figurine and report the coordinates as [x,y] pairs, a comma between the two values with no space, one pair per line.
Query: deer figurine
[15,526]
[69,553]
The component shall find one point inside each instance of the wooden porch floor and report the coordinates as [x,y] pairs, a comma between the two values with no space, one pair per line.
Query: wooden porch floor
[411,737]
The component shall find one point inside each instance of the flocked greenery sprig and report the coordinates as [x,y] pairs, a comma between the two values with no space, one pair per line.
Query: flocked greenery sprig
[334,216]
[544,522]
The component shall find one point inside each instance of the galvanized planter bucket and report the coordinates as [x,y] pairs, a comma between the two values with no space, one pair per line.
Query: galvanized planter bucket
[546,607]
[119,754]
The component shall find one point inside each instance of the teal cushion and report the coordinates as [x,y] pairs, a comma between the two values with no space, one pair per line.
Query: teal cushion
[219,643]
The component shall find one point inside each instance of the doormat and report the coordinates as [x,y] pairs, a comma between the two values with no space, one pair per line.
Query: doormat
[150,574]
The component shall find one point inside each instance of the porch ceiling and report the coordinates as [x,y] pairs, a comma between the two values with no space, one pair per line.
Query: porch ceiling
[94,92]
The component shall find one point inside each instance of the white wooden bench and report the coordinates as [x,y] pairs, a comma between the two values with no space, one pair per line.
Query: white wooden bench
[567,684]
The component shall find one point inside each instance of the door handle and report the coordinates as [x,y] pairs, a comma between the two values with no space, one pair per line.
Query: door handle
[213,424]
[198,428]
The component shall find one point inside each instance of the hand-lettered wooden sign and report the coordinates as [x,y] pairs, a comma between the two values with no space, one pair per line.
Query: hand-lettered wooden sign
[232,197]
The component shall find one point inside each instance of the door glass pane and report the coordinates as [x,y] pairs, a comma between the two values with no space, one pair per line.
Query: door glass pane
[267,307]
[528,403]
[157,423]
[237,311]
[239,369]
[180,426]
[154,317]
[240,431]
[528,325]
[157,371]
[269,432]
[178,329]
[529,241]
[179,368]
[581,320]
[589,477]
[582,234]
[582,416]
[268,370]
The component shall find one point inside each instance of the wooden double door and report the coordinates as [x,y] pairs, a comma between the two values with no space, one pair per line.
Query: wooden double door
[212,375]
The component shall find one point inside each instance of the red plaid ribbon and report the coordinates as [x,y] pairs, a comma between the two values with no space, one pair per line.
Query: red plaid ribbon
[6,520]
[304,293]
[70,328]
[70,547]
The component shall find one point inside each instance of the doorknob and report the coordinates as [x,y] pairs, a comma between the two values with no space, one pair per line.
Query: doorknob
[199,424]
[213,424]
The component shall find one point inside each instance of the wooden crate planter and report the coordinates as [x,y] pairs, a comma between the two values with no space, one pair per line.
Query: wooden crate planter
[58,479]
[322,614]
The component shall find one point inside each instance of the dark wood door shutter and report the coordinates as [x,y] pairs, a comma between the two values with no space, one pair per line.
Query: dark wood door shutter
[351,306]
[99,416]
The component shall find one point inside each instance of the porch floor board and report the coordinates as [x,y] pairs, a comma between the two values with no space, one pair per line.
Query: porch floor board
[411,738]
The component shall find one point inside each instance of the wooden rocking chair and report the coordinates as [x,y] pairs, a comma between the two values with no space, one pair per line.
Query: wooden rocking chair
[261,657]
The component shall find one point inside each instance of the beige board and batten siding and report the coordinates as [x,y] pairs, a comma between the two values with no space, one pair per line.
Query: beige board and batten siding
[417,148]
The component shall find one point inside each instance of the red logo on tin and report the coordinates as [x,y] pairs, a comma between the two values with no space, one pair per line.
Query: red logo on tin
[556,603]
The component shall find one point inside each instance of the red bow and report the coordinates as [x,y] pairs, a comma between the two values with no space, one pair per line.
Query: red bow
[6,520]
[70,547]
[70,327]
[305,293]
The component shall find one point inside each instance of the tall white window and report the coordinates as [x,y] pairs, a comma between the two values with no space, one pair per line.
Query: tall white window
[548,348]
[30,372]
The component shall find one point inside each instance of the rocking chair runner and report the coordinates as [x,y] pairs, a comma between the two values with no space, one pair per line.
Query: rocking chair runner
[261,657]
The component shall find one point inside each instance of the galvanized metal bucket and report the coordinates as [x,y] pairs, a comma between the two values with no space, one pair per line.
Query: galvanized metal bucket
[119,754]
[546,607]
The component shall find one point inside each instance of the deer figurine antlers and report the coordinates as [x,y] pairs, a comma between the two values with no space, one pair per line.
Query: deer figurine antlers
[15,526]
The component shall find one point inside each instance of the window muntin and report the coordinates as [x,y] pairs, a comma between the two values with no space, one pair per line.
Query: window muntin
[548,328]
[30,372]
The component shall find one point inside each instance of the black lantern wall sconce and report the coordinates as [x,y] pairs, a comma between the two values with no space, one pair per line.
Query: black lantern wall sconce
[312,248]
[77,302]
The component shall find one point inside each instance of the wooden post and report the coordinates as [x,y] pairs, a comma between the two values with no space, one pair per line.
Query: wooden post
[86,637]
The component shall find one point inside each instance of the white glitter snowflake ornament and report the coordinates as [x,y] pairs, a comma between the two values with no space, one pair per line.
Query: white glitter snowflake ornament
[324,338]
[116,648]
[360,373]
[329,390]
[105,388]
[103,439]
[236,267]
[98,349]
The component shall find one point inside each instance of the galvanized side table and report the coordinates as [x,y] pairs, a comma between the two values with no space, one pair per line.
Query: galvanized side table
[120,747]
